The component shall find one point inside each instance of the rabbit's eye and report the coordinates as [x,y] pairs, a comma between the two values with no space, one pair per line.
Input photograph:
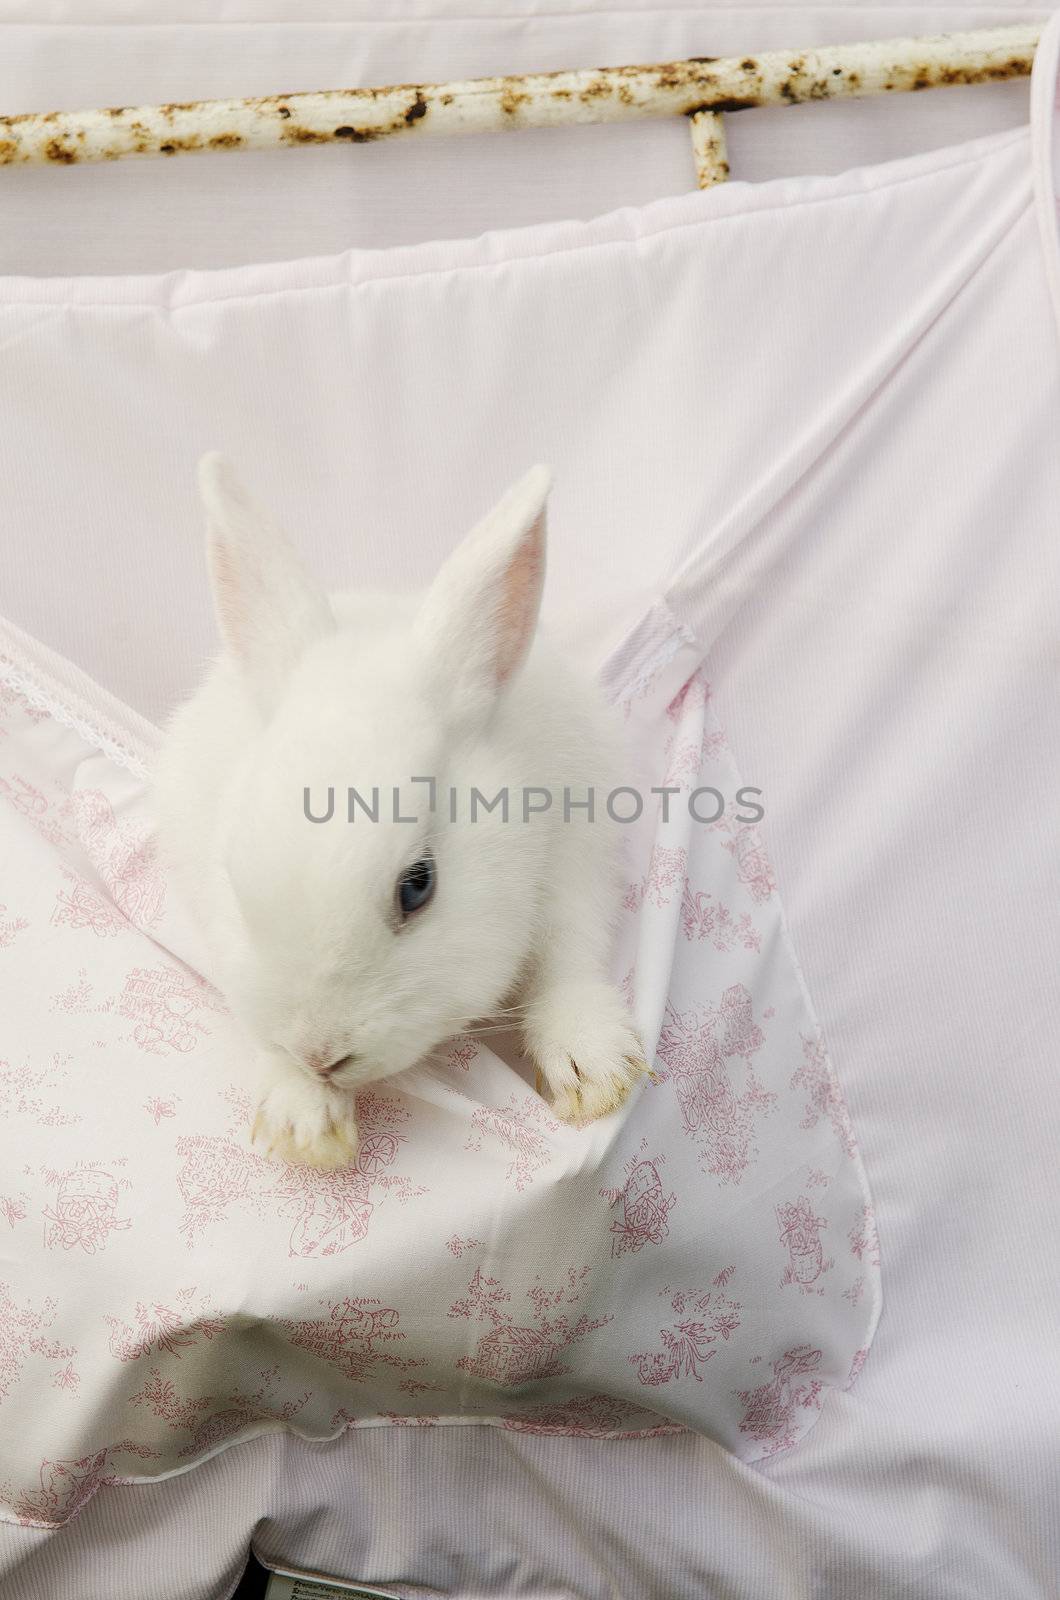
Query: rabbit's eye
[416,886]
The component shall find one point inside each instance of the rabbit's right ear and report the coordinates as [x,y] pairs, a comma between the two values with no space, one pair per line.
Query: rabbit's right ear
[477,621]
[268,607]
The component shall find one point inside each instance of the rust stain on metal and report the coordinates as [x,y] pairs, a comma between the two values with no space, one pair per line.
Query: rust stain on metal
[294,133]
[691,74]
[512,96]
[597,89]
[605,93]
[722,105]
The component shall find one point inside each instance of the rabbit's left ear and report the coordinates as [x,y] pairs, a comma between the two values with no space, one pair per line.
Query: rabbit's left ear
[268,607]
[478,618]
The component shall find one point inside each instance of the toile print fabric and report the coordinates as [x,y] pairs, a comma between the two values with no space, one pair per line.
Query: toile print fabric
[705,1259]
[815,411]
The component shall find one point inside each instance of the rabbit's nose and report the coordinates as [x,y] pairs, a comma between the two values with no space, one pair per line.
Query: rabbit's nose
[325,1062]
[335,1066]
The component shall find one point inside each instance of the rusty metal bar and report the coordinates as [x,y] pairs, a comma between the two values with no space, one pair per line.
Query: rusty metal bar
[701,88]
[710,150]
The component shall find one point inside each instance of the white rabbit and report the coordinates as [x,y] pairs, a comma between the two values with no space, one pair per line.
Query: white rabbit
[350,949]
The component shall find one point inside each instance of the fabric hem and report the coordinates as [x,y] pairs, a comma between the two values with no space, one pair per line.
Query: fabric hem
[184,289]
[121,1481]
[58,687]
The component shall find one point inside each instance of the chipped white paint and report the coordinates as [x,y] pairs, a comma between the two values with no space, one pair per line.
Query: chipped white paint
[710,150]
[700,88]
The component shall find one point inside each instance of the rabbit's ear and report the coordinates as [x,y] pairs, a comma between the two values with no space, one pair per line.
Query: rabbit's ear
[268,607]
[477,620]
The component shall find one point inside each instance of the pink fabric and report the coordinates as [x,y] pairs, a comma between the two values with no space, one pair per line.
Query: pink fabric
[720,1262]
[873,641]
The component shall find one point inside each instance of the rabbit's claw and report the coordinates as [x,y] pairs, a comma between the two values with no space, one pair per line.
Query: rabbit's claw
[586,1049]
[307,1124]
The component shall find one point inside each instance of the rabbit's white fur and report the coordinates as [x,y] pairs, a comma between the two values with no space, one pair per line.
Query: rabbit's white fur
[371,691]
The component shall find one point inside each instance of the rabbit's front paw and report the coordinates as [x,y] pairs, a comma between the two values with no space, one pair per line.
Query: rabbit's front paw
[586,1049]
[307,1123]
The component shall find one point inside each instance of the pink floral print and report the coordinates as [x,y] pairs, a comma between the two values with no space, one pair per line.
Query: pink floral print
[10,927]
[36,1092]
[51,816]
[354,1336]
[771,1414]
[81,907]
[507,1266]
[824,1098]
[701,1317]
[863,1238]
[462,1052]
[63,1487]
[124,856]
[665,878]
[84,1212]
[512,1354]
[331,1211]
[156,1327]
[522,1127]
[703,917]
[591,1416]
[210,1420]
[159,1108]
[167,1007]
[457,1246]
[800,1233]
[720,1104]
[645,1206]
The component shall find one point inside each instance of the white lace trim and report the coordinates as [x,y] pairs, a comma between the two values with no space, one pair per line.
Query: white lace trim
[24,685]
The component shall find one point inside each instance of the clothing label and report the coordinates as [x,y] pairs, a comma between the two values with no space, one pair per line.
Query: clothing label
[290,1586]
